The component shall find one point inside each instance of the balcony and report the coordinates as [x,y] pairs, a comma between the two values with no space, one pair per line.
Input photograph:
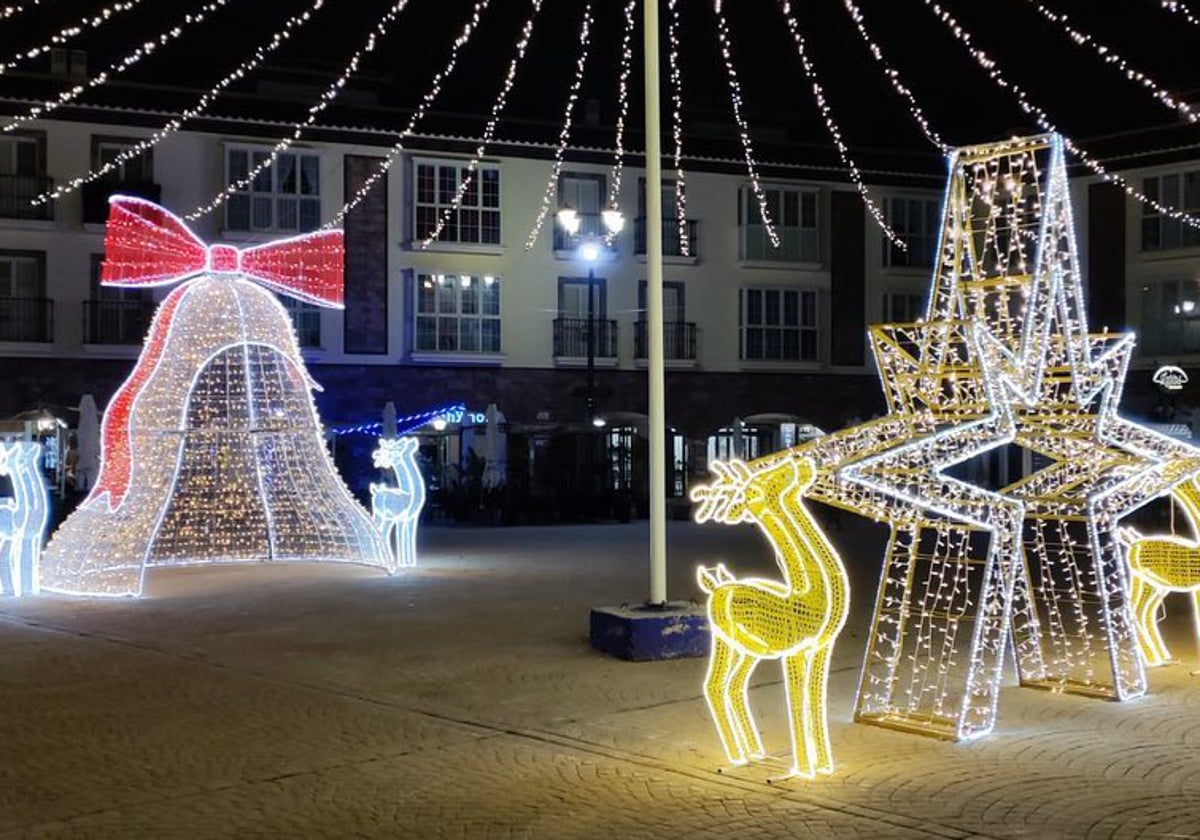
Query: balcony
[679,341]
[117,321]
[670,235]
[591,228]
[16,191]
[26,319]
[571,338]
[95,196]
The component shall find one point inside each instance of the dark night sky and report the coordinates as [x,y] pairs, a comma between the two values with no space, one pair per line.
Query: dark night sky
[1086,98]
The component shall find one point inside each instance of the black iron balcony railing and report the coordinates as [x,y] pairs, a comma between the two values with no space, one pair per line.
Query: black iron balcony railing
[591,228]
[116,321]
[95,196]
[672,247]
[16,193]
[679,340]
[571,338]
[26,319]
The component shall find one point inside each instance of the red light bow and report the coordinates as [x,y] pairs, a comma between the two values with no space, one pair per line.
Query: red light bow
[147,245]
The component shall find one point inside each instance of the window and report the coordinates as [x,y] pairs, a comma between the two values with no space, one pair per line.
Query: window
[1170,317]
[137,169]
[584,193]
[306,318]
[22,176]
[1160,232]
[903,308]
[20,155]
[24,311]
[917,222]
[285,196]
[457,314]
[793,212]
[778,324]
[116,315]
[477,219]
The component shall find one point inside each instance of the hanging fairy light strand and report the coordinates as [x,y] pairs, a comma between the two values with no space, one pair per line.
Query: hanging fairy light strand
[260,54]
[834,130]
[16,8]
[330,94]
[490,129]
[992,69]
[1109,56]
[118,67]
[676,80]
[735,99]
[64,35]
[431,95]
[1178,8]
[893,76]
[564,133]
[618,168]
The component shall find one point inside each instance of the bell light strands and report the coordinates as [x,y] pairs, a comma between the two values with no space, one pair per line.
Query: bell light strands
[260,54]
[676,79]
[65,35]
[1109,56]
[564,133]
[893,76]
[490,129]
[331,93]
[831,126]
[990,67]
[735,100]
[430,97]
[116,68]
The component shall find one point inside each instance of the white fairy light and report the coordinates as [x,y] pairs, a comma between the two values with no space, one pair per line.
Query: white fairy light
[564,133]
[118,67]
[832,127]
[330,94]
[735,99]
[431,95]
[241,71]
[16,8]
[990,67]
[490,129]
[676,80]
[1176,7]
[1109,56]
[893,76]
[93,21]
[614,185]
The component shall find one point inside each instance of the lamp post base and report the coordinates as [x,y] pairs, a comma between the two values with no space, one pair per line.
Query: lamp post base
[643,632]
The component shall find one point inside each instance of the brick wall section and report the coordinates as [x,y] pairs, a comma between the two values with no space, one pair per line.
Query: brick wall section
[1106,257]
[847,267]
[366,324]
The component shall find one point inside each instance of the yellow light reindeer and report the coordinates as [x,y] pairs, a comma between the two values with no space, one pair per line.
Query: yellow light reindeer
[1161,565]
[796,620]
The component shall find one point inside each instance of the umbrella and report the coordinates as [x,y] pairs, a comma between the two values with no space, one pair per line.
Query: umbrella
[88,441]
[495,448]
[389,419]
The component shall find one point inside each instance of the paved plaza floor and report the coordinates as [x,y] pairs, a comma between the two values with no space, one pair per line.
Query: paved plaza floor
[460,699]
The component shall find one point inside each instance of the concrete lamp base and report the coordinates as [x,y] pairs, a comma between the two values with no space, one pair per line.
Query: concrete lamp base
[642,632]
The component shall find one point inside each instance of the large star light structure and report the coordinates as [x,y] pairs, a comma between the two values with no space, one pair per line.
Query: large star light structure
[1002,362]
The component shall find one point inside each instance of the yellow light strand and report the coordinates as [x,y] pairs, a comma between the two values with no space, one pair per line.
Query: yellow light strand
[834,130]
[735,100]
[431,95]
[330,94]
[564,133]
[118,67]
[293,23]
[490,129]
[992,69]
[63,36]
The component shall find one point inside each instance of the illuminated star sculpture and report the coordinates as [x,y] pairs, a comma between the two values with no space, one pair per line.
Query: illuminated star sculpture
[1002,369]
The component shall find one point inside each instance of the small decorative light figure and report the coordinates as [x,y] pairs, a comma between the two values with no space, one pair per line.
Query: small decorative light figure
[396,510]
[23,517]
[795,620]
[1159,565]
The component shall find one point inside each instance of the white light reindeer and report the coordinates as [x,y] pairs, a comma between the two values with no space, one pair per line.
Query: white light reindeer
[23,517]
[397,509]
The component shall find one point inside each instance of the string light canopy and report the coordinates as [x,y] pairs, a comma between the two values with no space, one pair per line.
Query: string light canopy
[68,33]
[1002,359]
[212,448]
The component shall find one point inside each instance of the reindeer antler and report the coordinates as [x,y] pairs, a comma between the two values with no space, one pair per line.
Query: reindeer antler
[724,500]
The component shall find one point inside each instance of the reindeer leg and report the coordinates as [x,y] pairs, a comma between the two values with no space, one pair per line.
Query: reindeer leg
[1196,619]
[721,662]
[797,670]
[738,701]
[818,712]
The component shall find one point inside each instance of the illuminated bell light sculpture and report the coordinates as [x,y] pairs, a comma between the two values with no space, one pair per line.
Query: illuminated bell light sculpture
[1159,565]
[23,517]
[212,449]
[795,621]
[397,510]
[1003,361]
